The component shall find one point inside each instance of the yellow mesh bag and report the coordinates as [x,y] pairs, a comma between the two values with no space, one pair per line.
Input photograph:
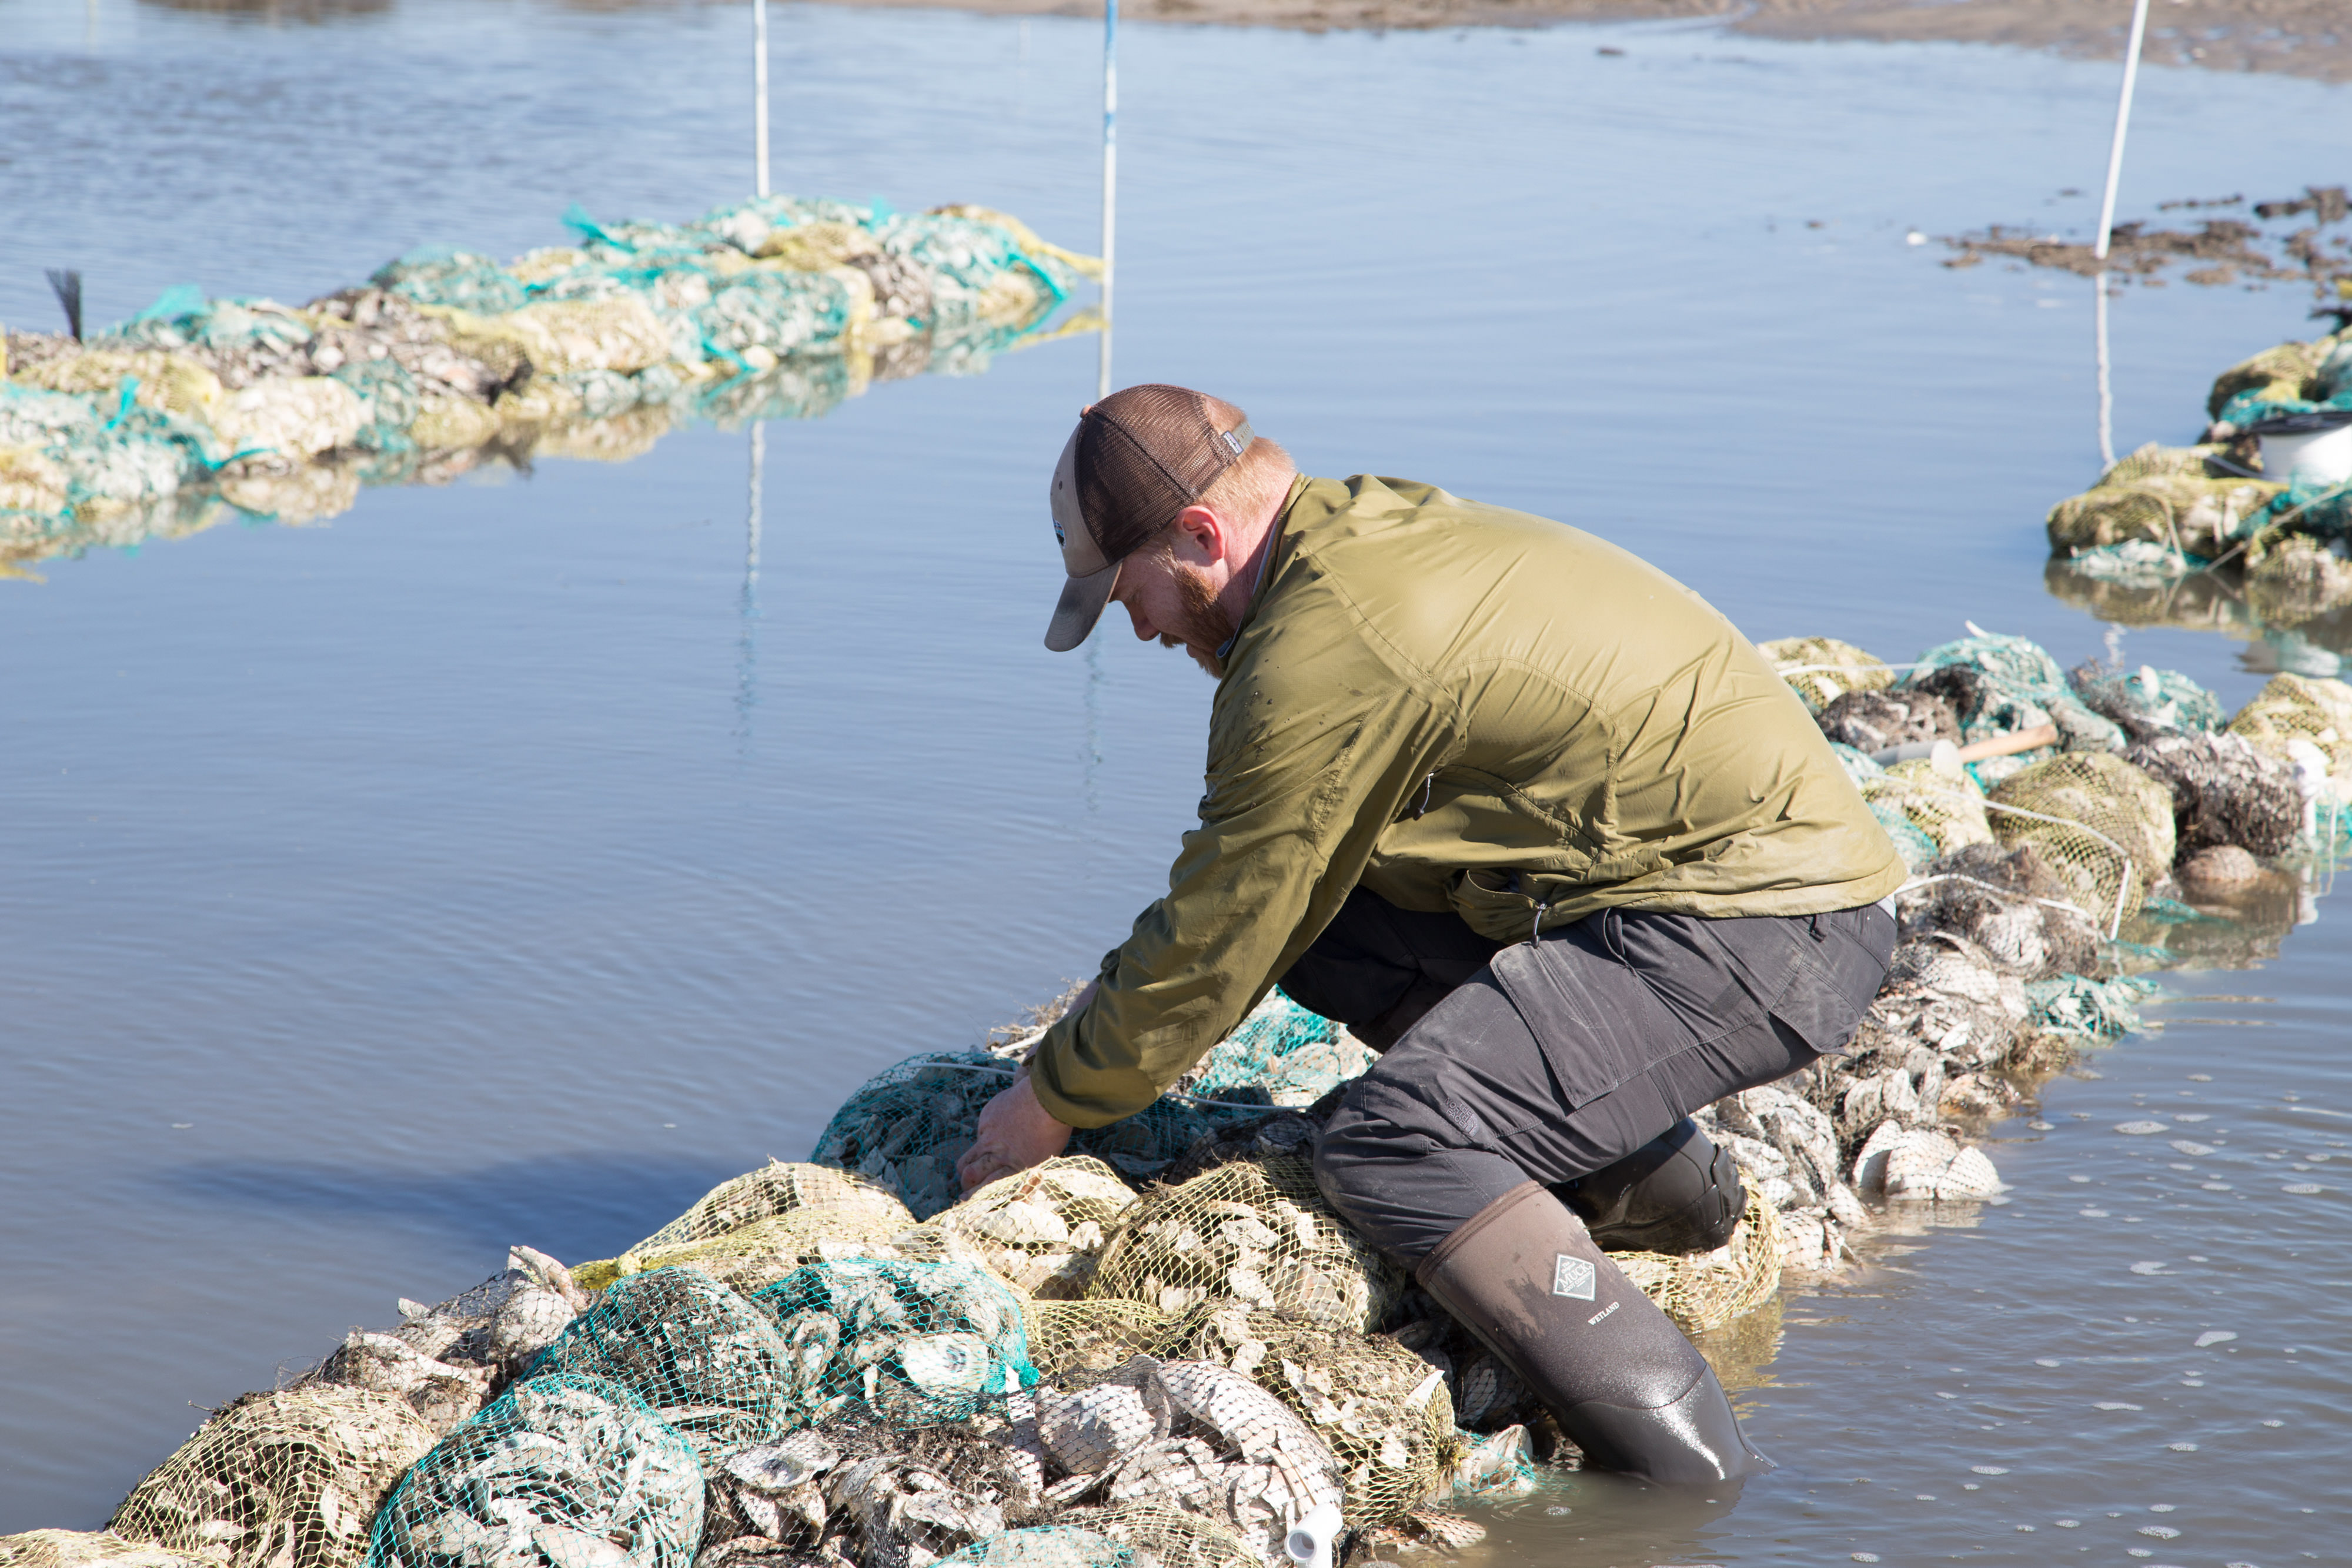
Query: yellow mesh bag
[1384,1413]
[1064,1336]
[1170,1537]
[288,1480]
[1256,1232]
[2100,826]
[2164,496]
[1710,1289]
[1823,668]
[79,1548]
[1042,1229]
[2278,374]
[2305,708]
[1947,807]
[753,1229]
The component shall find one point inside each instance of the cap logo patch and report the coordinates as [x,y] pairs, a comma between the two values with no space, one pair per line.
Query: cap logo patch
[1572,1277]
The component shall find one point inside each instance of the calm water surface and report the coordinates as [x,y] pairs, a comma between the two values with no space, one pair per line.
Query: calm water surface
[502,862]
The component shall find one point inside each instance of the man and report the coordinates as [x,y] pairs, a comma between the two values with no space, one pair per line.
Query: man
[1526,813]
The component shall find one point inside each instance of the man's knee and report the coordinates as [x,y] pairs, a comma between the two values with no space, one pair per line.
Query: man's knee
[1400,1174]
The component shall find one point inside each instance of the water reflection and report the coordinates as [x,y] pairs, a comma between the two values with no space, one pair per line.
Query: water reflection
[2279,633]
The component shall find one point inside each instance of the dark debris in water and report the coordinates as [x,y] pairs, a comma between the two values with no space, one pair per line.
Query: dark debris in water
[2219,251]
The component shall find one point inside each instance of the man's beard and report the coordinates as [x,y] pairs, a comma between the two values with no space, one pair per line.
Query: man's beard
[1205,626]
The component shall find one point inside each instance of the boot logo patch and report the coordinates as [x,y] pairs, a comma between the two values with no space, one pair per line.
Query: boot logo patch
[1572,1277]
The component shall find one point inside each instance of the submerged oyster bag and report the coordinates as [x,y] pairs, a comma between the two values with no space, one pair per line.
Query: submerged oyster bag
[703,1359]
[288,1479]
[1254,1231]
[559,1472]
[909,1344]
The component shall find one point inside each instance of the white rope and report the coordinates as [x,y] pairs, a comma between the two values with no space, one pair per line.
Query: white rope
[2123,884]
[1919,881]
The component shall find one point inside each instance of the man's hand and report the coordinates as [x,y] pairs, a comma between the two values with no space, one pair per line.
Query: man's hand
[1016,1132]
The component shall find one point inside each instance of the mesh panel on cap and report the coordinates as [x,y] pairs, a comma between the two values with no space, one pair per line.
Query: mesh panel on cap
[1145,453]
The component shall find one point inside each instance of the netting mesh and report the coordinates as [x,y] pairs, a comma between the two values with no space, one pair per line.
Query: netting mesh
[283,1478]
[559,1472]
[1257,1232]
[1064,1336]
[82,1548]
[1281,1054]
[905,1128]
[2287,372]
[2147,702]
[1947,808]
[2092,1009]
[2307,721]
[1385,1412]
[1165,1537]
[2000,685]
[1707,1288]
[771,308]
[2112,837]
[754,1229]
[1042,1229]
[2164,497]
[1823,668]
[2224,791]
[704,1360]
[909,1344]
[1044,1546]
[1874,721]
[1191,1435]
[2009,904]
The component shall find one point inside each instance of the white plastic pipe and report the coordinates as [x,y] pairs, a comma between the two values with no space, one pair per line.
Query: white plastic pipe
[760,96]
[1308,1544]
[1110,183]
[2123,123]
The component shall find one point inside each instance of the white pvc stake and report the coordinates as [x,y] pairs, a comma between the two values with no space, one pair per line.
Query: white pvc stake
[2106,386]
[760,96]
[2123,122]
[1110,182]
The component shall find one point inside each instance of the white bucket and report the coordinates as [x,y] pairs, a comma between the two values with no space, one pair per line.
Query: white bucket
[2314,456]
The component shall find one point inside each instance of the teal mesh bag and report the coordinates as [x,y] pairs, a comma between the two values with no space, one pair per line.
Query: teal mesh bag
[558,1472]
[705,1361]
[906,1344]
[2092,1009]
[438,274]
[1281,1054]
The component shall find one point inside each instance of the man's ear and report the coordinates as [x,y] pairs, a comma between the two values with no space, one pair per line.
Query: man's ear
[1206,530]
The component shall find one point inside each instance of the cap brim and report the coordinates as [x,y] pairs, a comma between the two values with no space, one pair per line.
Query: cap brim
[1080,606]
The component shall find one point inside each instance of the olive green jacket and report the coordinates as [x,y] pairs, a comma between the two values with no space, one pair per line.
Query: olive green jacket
[1460,706]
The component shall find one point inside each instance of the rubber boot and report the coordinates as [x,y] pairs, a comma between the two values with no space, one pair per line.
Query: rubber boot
[1524,1276]
[1678,1193]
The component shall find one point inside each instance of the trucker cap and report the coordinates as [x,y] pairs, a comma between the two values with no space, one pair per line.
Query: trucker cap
[1137,458]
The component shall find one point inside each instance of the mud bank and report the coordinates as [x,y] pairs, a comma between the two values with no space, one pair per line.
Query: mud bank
[2298,37]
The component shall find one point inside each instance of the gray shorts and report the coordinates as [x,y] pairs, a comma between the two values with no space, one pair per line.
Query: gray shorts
[1552,1059]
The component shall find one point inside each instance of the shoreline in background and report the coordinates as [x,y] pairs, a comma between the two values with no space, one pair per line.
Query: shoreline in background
[2295,37]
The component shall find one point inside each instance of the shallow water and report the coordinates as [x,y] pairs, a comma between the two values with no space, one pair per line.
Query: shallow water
[501,863]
